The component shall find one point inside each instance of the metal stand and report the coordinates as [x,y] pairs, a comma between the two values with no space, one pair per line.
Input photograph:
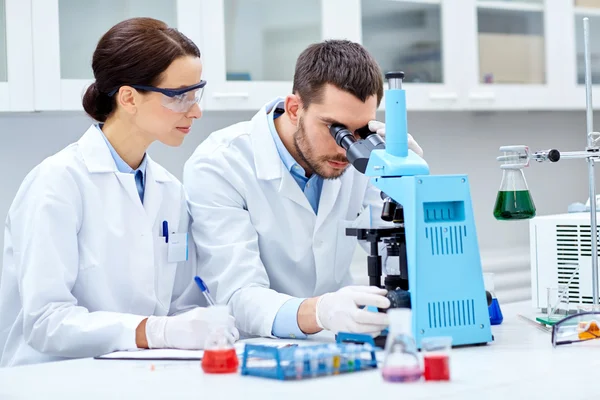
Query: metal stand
[591,147]
[520,157]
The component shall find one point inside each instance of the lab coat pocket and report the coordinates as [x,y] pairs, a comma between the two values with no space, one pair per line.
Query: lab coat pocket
[344,250]
[166,272]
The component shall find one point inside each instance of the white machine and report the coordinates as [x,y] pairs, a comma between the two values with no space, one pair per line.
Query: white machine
[561,254]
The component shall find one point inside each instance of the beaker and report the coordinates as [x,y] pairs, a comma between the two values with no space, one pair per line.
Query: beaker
[219,350]
[513,201]
[557,303]
[436,357]
[401,362]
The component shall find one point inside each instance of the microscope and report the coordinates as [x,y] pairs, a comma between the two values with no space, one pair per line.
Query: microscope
[432,259]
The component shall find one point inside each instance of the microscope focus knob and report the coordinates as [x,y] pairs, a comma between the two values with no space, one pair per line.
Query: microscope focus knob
[389,210]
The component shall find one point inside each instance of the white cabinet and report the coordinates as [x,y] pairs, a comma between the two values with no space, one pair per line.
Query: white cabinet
[457,54]
[513,57]
[67,31]
[574,75]
[16,63]
[250,46]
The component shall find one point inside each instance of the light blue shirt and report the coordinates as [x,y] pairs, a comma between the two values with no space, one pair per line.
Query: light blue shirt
[122,166]
[285,324]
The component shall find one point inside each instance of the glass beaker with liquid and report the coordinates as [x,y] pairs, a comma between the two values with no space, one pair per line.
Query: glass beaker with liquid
[513,201]
[401,362]
[220,356]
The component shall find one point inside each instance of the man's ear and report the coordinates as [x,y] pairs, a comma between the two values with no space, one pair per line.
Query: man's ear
[293,105]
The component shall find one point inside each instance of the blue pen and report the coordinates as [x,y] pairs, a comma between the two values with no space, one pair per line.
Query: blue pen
[166,231]
[204,290]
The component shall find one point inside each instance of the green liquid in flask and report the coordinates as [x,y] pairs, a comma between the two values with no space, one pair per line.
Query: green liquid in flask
[514,204]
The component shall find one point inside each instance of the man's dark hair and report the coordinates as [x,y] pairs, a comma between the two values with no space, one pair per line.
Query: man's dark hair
[341,63]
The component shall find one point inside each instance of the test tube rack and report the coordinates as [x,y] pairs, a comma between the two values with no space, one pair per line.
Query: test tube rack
[279,363]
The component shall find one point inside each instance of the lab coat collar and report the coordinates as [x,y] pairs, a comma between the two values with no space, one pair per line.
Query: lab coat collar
[267,162]
[97,158]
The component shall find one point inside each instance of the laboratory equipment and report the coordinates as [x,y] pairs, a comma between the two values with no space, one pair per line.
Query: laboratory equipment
[576,328]
[430,232]
[494,310]
[283,363]
[219,351]
[513,200]
[436,358]
[564,248]
[401,363]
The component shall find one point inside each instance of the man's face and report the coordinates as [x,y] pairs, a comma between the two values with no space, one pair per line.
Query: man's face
[314,143]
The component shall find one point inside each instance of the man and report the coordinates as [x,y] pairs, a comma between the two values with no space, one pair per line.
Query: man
[270,200]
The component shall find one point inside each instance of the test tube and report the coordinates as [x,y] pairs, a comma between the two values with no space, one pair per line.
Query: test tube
[314,362]
[358,360]
[299,363]
[336,359]
[329,356]
[322,355]
[350,350]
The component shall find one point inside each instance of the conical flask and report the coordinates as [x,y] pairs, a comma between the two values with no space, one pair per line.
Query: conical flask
[513,201]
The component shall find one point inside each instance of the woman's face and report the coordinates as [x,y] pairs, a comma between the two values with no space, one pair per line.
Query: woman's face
[156,119]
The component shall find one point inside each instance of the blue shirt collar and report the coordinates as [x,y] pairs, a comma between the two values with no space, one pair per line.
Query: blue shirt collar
[284,154]
[122,166]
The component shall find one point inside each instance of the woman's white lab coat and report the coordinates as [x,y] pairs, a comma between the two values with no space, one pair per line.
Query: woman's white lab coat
[84,259]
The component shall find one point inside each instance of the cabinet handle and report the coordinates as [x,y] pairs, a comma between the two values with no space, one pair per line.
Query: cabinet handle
[443,96]
[240,95]
[482,96]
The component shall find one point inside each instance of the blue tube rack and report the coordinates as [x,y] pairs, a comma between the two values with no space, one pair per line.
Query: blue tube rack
[279,363]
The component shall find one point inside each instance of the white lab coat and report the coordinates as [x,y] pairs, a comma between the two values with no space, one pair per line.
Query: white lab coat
[83,260]
[258,239]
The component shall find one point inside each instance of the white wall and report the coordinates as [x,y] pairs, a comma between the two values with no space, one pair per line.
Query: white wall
[453,143]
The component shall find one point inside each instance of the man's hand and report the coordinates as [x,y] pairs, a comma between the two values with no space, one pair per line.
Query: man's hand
[340,312]
[379,128]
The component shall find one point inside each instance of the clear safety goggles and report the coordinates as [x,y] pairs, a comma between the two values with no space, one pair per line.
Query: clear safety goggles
[576,328]
[178,100]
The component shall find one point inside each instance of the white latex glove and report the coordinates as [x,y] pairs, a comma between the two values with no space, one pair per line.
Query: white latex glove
[339,312]
[379,128]
[188,330]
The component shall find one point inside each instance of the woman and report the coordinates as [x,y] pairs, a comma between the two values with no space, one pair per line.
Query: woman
[96,256]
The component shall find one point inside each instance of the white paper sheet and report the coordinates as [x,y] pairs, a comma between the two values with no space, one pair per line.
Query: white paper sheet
[162,354]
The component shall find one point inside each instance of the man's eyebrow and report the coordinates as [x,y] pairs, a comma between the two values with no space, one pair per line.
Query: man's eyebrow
[330,121]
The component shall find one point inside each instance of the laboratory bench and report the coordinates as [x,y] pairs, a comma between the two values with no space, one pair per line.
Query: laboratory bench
[520,363]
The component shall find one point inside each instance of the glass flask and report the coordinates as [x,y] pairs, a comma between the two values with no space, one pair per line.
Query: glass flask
[494,310]
[401,362]
[220,356]
[513,201]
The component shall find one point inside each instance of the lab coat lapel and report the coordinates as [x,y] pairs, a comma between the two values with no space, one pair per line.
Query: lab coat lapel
[329,195]
[153,191]
[268,164]
[127,181]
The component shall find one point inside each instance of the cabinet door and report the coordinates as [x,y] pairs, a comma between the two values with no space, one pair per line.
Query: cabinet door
[421,38]
[250,47]
[16,62]
[574,76]
[509,65]
[66,33]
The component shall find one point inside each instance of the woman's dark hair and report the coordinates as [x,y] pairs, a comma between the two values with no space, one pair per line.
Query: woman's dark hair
[133,52]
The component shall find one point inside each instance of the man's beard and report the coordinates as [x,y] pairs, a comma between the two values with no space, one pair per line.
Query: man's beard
[316,164]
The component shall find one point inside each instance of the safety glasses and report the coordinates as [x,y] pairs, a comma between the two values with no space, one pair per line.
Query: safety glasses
[576,328]
[178,100]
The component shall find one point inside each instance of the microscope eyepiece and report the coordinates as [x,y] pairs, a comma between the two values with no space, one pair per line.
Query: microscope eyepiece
[343,137]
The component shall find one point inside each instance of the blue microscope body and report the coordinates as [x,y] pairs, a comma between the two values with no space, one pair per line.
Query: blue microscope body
[445,279]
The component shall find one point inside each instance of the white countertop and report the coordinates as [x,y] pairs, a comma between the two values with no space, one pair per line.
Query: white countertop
[520,364]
